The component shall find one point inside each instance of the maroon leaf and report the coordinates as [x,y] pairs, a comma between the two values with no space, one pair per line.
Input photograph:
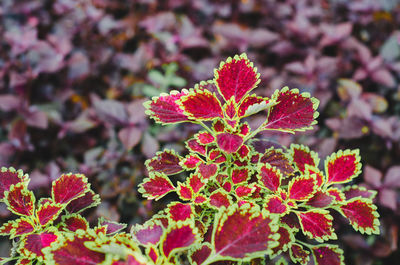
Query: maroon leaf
[74,222]
[362,215]
[32,245]
[275,204]
[298,254]
[164,109]
[201,105]
[20,200]
[156,186]
[178,238]
[294,111]
[358,191]
[69,187]
[199,255]
[236,77]
[90,199]
[240,232]
[320,200]
[112,227]
[48,211]
[166,162]
[229,143]
[207,171]
[278,159]
[240,175]
[328,254]
[195,146]
[8,177]
[22,226]
[285,239]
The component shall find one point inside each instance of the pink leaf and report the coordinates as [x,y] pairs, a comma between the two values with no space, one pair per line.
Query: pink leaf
[148,234]
[32,245]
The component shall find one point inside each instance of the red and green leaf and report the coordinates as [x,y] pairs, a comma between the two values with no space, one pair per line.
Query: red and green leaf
[286,238]
[240,175]
[10,176]
[191,162]
[277,158]
[48,212]
[229,143]
[178,238]
[320,199]
[90,199]
[207,171]
[302,188]
[205,138]
[317,224]
[195,182]
[240,232]
[166,162]
[164,109]
[201,105]
[179,211]
[149,233]
[275,204]
[74,222]
[293,112]
[156,186]
[270,177]
[303,156]
[336,193]
[22,226]
[194,146]
[219,199]
[236,77]
[342,166]
[112,227]
[200,254]
[253,104]
[184,191]
[299,254]
[244,190]
[32,245]
[20,200]
[69,187]
[362,215]
[328,255]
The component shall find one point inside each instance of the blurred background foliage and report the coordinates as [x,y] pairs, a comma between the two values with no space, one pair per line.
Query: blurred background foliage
[74,75]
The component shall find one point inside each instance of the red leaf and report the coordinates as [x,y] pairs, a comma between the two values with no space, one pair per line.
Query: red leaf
[317,224]
[179,211]
[148,234]
[32,245]
[195,146]
[285,239]
[243,152]
[229,143]
[302,188]
[328,255]
[362,215]
[303,156]
[201,105]
[48,211]
[74,222]
[69,187]
[240,232]
[240,175]
[155,186]
[191,161]
[278,159]
[219,199]
[199,255]
[8,177]
[298,254]
[236,77]
[178,238]
[207,171]
[90,199]
[6,228]
[242,191]
[336,193]
[164,109]
[205,138]
[72,250]
[270,177]
[342,166]
[294,111]
[275,204]
[195,182]
[230,109]
[218,126]
[20,200]
[184,192]
[22,226]
[166,162]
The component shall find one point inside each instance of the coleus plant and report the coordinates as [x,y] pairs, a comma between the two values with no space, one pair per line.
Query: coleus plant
[243,200]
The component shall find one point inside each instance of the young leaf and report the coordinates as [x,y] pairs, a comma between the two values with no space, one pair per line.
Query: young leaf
[164,109]
[10,176]
[342,166]
[69,187]
[362,215]
[178,238]
[328,254]
[275,204]
[166,162]
[236,77]
[155,186]
[219,199]
[179,211]
[243,232]
[317,224]
[20,200]
[201,105]
[293,112]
